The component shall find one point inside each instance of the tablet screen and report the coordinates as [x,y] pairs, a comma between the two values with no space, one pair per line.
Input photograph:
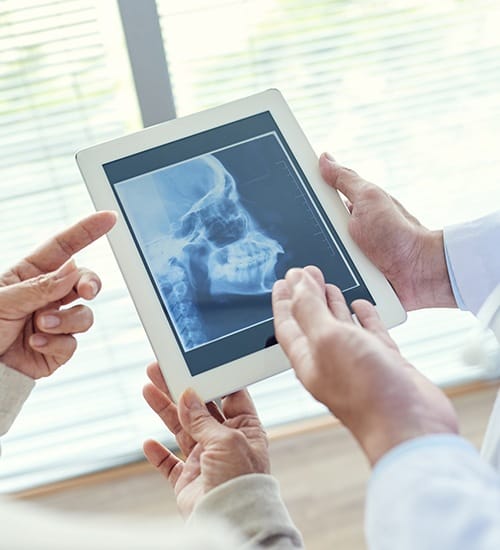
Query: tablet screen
[217,218]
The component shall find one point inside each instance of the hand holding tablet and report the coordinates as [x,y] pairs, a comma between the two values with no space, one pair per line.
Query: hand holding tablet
[214,208]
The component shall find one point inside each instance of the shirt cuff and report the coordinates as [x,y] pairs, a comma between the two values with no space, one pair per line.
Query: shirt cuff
[453,281]
[417,446]
[15,388]
[252,505]
[472,259]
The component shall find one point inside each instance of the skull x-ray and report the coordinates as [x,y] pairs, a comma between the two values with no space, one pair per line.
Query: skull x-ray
[217,218]
[203,247]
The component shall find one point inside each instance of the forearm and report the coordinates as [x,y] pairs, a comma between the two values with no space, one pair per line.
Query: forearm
[253,506]
[433,492]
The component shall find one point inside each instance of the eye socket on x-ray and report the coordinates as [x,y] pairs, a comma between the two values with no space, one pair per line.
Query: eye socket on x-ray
[215,232]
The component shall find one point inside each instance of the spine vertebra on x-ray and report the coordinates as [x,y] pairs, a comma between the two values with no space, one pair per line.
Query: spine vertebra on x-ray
[178,293]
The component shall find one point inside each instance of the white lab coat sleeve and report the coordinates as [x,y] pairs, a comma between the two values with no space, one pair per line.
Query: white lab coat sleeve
[433,493]
[473,259]
[490,450]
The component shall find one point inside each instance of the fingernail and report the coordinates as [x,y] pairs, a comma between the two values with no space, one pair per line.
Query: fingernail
[94,287]
[38,341]
[50,321]
[329,157]
[294,276]
[66,269]
[191,400]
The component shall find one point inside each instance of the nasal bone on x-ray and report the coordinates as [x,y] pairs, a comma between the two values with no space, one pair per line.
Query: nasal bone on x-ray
[210,246]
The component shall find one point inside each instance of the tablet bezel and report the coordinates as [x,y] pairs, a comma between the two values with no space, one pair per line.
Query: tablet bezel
[244,371]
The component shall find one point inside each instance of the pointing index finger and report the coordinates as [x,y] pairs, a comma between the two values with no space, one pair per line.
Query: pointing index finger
[285,328]
[52,254]
[309,307]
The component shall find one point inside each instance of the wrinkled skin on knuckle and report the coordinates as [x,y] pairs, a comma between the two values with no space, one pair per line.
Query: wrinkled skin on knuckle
[183,439]
[233,439]
[348,173]
[372,193]
[197,422]
[248,437]
[260,433]
[248,423]
[41,285]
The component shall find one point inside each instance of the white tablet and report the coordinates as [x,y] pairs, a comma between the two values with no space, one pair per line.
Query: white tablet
[213,208]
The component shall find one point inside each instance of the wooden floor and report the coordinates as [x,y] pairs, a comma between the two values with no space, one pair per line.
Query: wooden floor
[321,470]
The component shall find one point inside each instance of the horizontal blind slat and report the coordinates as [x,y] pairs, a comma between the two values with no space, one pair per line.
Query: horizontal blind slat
[379,81]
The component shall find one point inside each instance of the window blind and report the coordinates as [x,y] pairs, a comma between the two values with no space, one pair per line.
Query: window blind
[404,92]
[63,86]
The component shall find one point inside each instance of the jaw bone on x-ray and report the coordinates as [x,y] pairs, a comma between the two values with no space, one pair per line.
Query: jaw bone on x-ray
[208,246]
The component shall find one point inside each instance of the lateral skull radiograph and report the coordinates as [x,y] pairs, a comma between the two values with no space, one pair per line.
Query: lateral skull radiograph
[210,250]
[217,230]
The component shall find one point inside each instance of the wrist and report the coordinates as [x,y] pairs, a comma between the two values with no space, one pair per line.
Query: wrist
[387,433]
[431,281]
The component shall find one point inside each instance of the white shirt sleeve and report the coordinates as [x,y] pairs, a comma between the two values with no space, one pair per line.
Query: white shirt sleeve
[436,492]
[490,450]
[433,493]
[473,258]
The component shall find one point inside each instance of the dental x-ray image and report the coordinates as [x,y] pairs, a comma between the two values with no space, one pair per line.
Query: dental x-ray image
[217,230]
